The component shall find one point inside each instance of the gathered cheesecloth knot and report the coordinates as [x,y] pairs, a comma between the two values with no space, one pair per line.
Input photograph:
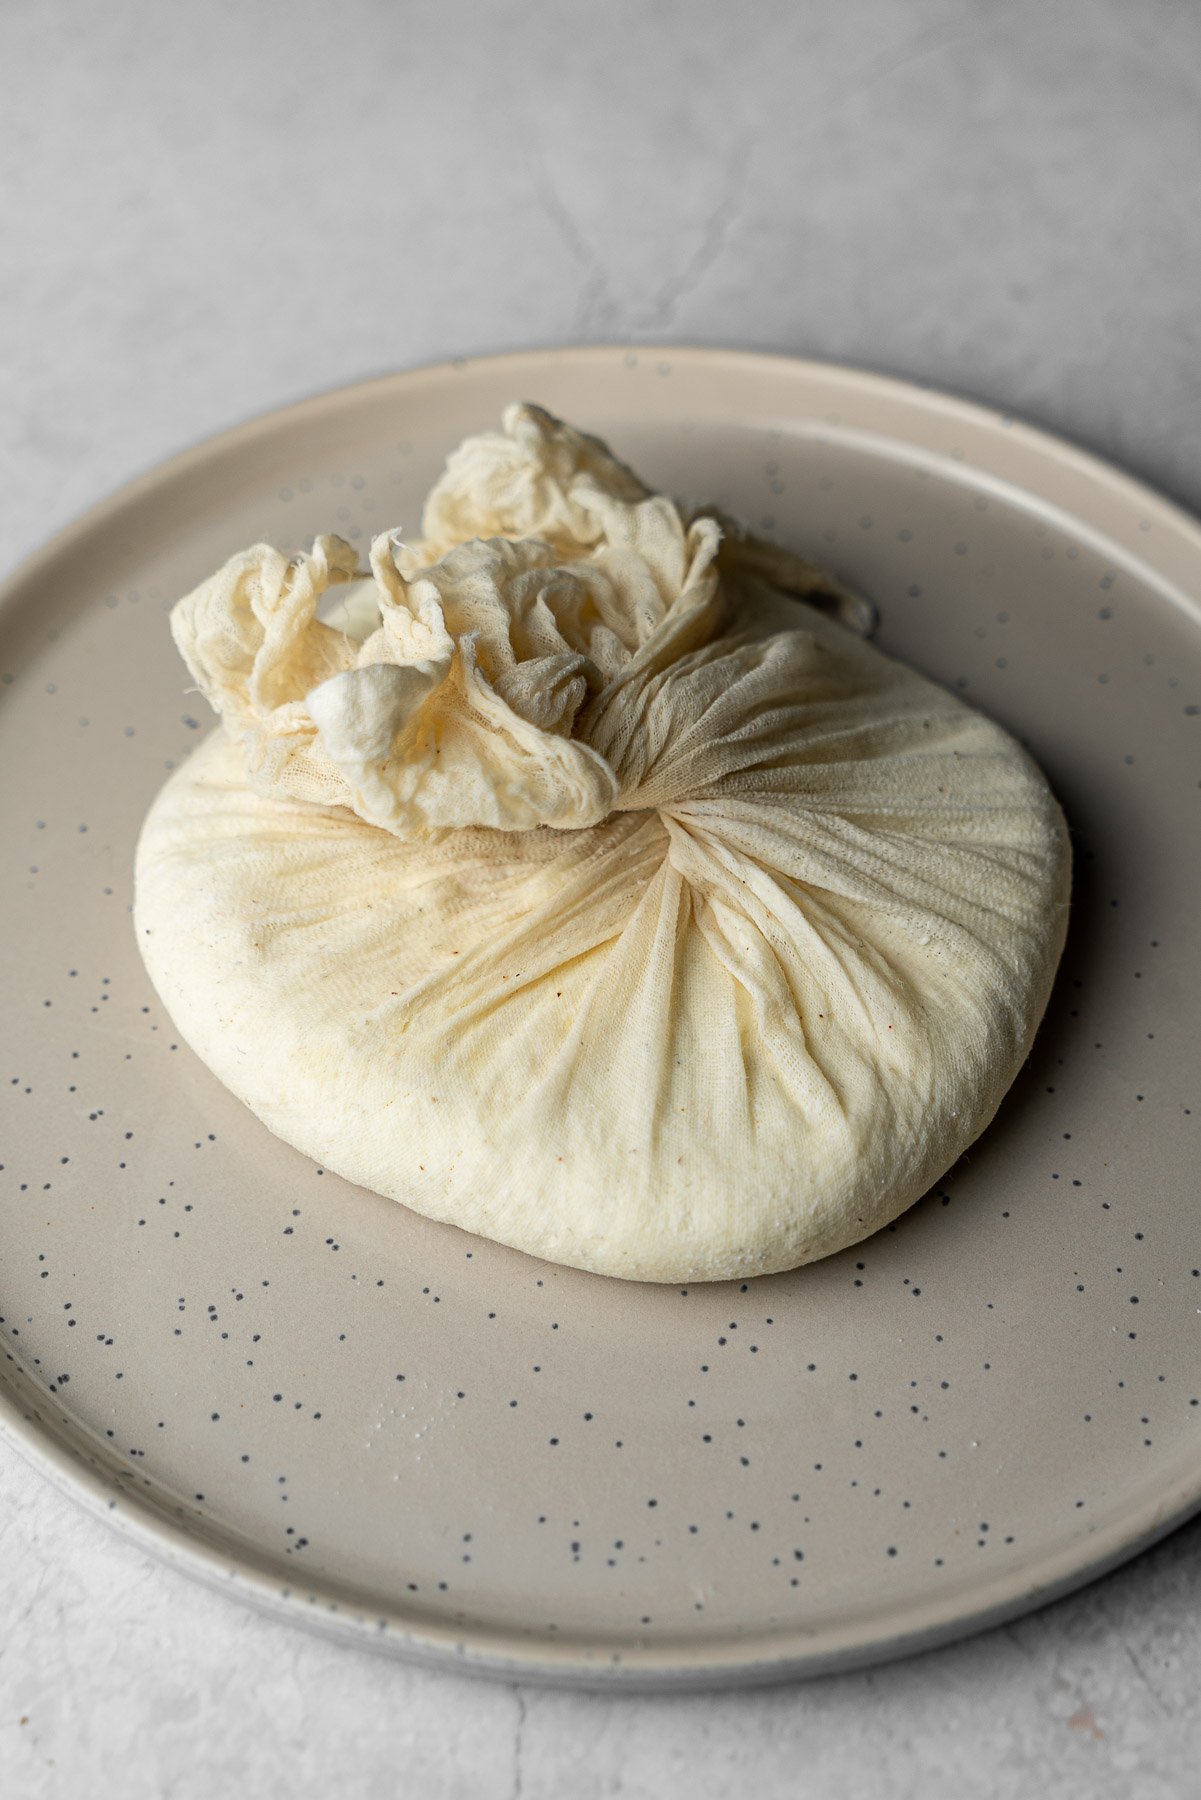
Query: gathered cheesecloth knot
[560,644]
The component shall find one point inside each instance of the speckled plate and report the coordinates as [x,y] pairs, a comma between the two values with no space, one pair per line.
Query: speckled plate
[433,1444]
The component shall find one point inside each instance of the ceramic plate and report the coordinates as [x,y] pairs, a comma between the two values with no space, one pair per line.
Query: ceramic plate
[431,1443]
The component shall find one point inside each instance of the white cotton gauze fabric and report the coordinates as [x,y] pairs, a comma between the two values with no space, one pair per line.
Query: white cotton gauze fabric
[573,882]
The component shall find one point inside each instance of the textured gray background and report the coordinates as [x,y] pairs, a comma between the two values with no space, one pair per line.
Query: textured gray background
[211,209]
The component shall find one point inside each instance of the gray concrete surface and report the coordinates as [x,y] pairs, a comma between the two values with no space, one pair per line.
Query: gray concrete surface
[210,209]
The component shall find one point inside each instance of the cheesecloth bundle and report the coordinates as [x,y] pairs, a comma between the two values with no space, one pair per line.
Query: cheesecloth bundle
[575,883]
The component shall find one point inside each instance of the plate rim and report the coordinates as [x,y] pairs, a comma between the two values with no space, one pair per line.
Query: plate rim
[504,1655]
[979,413]
[764,1655]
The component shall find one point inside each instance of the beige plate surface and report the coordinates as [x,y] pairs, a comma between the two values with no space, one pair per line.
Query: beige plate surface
[378,1424]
